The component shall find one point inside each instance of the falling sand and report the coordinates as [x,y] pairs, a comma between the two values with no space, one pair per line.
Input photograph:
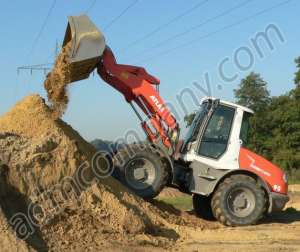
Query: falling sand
[57,81]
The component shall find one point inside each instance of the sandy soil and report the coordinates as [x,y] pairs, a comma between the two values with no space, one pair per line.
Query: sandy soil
[279,232]
[169,192]
[42,178]
[8,240]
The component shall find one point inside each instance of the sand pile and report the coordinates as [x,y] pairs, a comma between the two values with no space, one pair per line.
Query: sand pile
[38,150]
[8,240]
[37,154]
[57,81]
[51,196]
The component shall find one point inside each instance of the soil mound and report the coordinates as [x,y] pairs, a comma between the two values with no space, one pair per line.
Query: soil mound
[8,240]
[37,154]
[51,194]
[38,150]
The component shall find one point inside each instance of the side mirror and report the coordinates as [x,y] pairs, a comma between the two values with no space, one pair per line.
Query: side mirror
[216,103]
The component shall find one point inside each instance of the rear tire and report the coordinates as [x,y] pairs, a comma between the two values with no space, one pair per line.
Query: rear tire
[238,201]
[140,170]
[202,207]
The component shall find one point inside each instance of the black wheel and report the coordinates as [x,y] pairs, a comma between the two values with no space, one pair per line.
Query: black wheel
[238,201]
[142,171]
[202,207]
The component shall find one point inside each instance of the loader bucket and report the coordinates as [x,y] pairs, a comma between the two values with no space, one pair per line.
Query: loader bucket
[87,46]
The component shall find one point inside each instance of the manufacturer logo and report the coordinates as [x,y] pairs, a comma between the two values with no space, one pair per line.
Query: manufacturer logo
[255,167]
[157,103]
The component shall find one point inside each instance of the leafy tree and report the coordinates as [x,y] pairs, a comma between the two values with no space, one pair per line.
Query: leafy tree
[283,140]
[253,92]
[275,131]
[188,119]
[297,74]
[296,92]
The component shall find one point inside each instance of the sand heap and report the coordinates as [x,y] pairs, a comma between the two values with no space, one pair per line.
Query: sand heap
[39,150]
[57,81]
[36,154]
[8,240]
[47,184]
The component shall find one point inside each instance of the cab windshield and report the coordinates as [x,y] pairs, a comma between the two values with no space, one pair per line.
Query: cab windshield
[193,131]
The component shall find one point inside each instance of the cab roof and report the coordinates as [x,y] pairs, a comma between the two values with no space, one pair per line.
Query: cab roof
[229,104]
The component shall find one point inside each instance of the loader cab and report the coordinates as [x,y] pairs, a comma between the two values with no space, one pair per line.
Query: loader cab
[217,132]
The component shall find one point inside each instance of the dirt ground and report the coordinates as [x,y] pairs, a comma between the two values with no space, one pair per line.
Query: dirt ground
[279,232]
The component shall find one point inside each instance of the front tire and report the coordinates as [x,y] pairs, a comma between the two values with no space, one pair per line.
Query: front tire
[141,170]
[238,201]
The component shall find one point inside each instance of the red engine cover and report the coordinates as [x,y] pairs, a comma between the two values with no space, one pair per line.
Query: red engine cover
[263,168]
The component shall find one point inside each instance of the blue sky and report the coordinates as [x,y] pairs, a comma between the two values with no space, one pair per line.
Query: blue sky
[98,111]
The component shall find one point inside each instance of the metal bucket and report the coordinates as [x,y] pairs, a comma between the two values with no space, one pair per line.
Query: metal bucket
[87,46]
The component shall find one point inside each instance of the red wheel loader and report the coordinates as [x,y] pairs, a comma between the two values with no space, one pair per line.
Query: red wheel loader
[228,182]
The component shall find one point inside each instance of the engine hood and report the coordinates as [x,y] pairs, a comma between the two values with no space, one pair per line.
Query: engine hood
[269,172]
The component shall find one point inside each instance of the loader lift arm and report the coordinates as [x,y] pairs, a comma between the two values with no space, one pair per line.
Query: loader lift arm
[137,86]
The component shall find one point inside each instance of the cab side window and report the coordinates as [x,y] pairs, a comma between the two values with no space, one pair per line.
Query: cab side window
[216,135]
[245,133]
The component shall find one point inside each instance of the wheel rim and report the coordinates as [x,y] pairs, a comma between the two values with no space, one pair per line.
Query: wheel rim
[241,202]
[140,173]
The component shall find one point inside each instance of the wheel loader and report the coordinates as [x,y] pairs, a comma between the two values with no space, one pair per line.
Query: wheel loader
[227,181]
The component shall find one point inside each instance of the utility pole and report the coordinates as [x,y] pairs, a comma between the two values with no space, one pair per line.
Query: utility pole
[46,67]
[42,67]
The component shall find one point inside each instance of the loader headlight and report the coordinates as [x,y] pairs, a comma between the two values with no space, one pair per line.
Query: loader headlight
[285,178]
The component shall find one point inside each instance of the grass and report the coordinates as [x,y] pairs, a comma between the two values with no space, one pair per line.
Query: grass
[294,181]
[294,176]
[183,203]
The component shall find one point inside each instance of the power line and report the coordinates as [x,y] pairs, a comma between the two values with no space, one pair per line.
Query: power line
[41,67]
[222,14]
[90,7]
[43,26]
[173,20]
[46,67]
[120,15]
[55,52]
[219,30]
